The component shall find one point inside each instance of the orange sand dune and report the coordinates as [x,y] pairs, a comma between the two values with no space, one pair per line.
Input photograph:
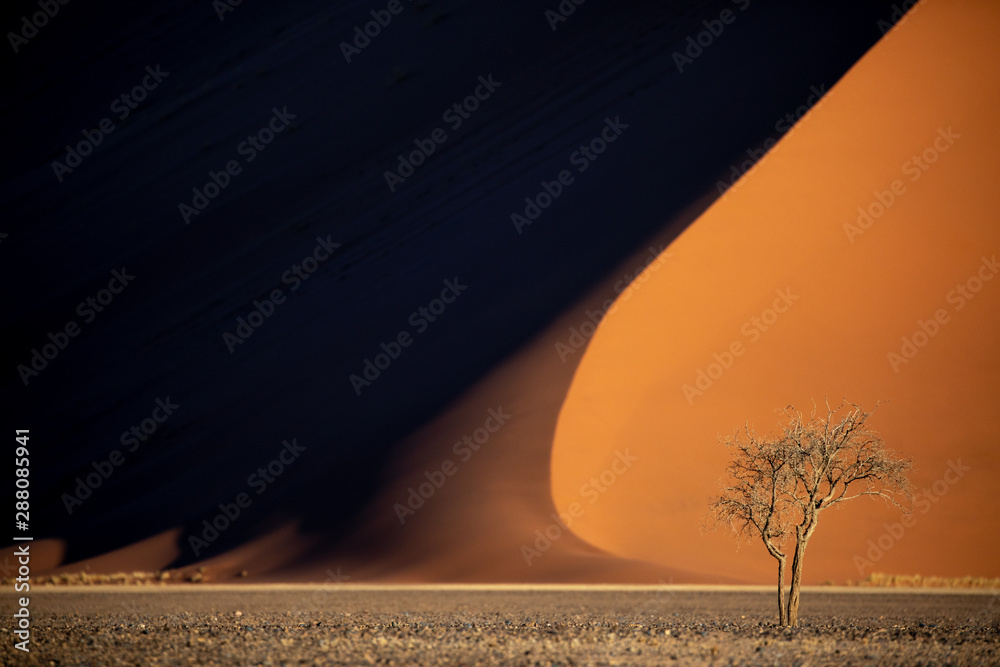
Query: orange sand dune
[784,292]
[634,461]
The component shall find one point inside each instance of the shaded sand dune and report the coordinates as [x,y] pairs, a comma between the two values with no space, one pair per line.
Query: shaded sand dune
[483,469]
[822,300]
[492,518]
[497,347]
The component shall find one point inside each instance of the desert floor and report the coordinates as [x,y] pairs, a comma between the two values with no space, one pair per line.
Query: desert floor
[337,624]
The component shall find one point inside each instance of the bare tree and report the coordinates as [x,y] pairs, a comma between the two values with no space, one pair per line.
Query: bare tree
[777,487]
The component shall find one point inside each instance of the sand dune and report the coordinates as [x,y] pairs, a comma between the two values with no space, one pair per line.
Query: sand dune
[858,259]
[441,466]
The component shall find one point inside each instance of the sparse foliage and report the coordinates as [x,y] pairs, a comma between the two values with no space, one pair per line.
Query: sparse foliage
[777,487]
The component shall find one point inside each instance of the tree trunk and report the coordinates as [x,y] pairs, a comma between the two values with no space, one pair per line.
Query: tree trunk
[793,593]
[801,540]
[782,612]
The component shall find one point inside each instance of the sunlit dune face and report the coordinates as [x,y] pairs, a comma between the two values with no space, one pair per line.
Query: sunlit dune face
[858,259]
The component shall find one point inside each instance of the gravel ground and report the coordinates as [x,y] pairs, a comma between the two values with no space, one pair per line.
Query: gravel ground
[349,626]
